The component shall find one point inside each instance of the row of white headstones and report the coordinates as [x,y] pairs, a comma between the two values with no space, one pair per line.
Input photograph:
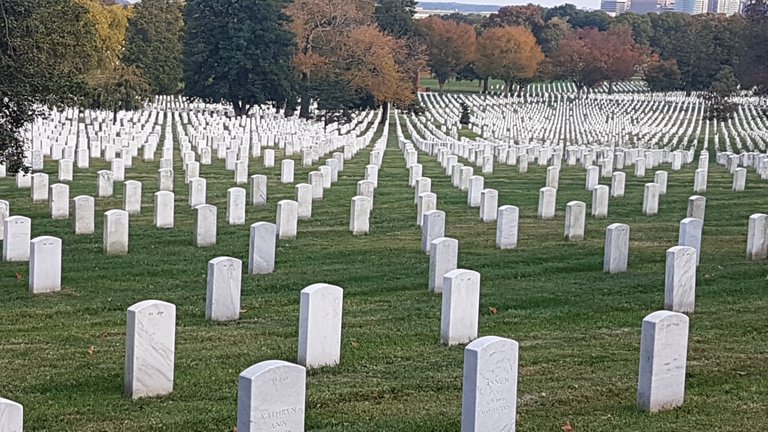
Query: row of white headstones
[459,323]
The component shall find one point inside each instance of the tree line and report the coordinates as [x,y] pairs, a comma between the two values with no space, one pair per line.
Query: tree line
[671,51]
[324,59]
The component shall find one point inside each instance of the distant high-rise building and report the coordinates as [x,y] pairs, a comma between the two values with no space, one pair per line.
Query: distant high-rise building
[644,6]
[614,7]
[691,7]
[726,7]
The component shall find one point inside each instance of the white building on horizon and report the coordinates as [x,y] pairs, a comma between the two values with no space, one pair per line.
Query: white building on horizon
[614,7]
[691,7]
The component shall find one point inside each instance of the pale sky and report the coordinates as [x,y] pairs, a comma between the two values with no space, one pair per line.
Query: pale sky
[588,4]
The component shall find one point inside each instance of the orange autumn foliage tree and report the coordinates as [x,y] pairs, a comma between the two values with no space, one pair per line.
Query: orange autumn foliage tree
[591,57]
[342,55]
[372,66]
[510,54]
[450,46]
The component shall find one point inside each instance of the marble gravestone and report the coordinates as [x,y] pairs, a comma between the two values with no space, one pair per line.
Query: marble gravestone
[443,257]
[320,315]
[205,223]
[222,299]
[271,396]
[460,307]
[150,347]
[17,234]
[616,253]
[663,357]
[489,390]
[45,265]
[507,227]
[262,248]
[11,416]
[680,279]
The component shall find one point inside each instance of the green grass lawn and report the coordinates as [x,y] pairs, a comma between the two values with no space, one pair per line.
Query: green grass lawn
[62,355]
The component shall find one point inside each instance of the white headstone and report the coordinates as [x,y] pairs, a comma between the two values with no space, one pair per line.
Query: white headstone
[204,225]
[304,199]
[258,190]
[432,227]
[198,189]
[547,200]
[443,257]
[85,208]
[286,171]
[461,306]
[132,197]
[690,235]
[359,215]
[164,209]
[616,248]
[236,206]
[262,248]
[39,187]
[44,265]
[11,416]
[287,220]
[507,226]
[618,180]
[18,231]
[757,237]
[650,199]
[58,201]
[222,298]
[320,311]
[680,279]
[115,241]
[696,207]
[271,397]
[489,205]
[600,201]
[575,219]
[489,390]
[150,347]
[663,356]
[476,186]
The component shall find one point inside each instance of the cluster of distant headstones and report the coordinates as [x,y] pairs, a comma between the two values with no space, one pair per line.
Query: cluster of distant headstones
[271,394]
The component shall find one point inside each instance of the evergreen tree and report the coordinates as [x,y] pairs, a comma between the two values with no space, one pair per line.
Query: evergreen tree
[153,44]
[238,51]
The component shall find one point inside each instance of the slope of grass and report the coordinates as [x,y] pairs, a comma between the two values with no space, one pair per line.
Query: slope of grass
[62,355]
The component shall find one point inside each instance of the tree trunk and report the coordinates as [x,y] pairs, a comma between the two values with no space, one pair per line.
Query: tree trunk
[304,106]
[114,117]
[385,112]
[441,85]
[610,87]
[508,88]
[485,84]
[238,107]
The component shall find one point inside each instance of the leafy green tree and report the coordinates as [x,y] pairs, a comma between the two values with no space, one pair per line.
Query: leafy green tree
[663,75]
[46,49]
[720,105]
[640,25]
[154,44]
[395,17]
[121,88]
[238,51]
[752,69]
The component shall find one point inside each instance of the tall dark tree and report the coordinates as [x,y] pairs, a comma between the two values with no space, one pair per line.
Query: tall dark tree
[238,51]
[46,49]
[153,43]
[395,17]
[121,88]
[752,69]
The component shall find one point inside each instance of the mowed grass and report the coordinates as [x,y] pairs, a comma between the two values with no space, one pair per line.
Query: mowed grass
[62,355]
